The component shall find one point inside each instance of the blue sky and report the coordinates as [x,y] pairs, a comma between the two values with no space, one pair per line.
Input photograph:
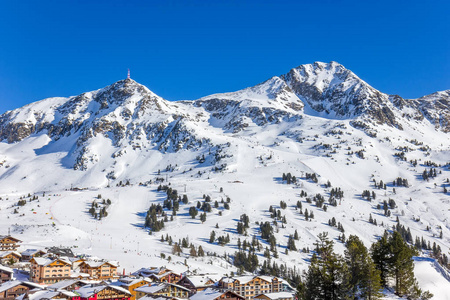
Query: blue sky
[189,49]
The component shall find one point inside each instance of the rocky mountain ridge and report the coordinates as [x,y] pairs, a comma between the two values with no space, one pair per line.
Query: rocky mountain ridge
[127,112]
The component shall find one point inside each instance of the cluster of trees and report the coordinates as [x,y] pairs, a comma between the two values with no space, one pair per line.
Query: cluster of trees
[338,225]
[401,182]
[99,212]
[151,219]
[429,174]
[276,215]
[312,176]
[221,240]
[337,193]
[193,251]
[289,178]
[360,273]
[380,185]
[366,194]
[246,261]
[243,224]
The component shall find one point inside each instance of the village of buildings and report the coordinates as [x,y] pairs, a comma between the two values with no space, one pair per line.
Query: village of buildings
[56,273]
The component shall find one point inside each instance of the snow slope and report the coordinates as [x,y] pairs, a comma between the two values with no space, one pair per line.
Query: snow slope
[123,141]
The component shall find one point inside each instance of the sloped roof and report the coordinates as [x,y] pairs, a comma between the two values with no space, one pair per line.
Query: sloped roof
[267,278]
[8,236]
[46,294]
[29,252]
[96,264]
[209,294]
[45,261]
[10,284]
[89,290]
[158,287]
[62,284]
[127,281]
[6,269]
[199,280]
[6,253]
[150,289]
[280,295]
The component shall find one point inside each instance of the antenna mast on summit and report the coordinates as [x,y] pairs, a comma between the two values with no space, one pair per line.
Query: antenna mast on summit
[128,74]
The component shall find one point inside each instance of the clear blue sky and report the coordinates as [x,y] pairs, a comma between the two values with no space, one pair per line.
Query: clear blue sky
[189,49]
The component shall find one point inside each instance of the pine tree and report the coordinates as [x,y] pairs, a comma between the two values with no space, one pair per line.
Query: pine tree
[212,237]
[381,257]
[402,265]
[193,252]
[364,281]
[193,212]
[327,276]
[200,251]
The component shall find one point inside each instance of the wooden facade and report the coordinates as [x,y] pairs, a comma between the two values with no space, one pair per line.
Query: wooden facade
[10,257]
[99,270]
[249,287]
[102,293]
[131,284]
[6,274]
[11,290]
[8,243]
[163,289]
[195,283]
[212,294]
[48,271]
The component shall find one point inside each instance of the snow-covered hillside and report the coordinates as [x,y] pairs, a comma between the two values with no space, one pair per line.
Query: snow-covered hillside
[122,142]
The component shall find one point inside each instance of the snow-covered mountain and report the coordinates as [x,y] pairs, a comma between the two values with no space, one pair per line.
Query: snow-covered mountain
[123,141]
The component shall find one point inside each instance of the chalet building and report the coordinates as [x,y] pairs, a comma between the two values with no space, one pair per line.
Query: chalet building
[213,294]
[6,274]
[47,295]
[10,290]
[68,285]
[131,284]
[163,289]
[251,286]
[10,257]
[60,252]
[8,243]
[99,269]
[168,276]
[276,296]
[102,292]
[48,271]
[28,254]
[196,283]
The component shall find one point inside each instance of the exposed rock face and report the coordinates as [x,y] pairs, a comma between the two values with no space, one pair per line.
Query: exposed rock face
[337,92]
[128,113]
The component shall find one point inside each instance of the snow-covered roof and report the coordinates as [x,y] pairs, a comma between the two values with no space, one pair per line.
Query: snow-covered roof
[30,252]
[275,296]
[45,261]
[8,236]
[89,290]
[46,294]
[242,279]
[198,281]
[150,289]
[6,253]
[208,294]
[157,287]
[10,284]
[266,278]
[127,281]
[62,284]
[151,270]
[96,264]
[6,269]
